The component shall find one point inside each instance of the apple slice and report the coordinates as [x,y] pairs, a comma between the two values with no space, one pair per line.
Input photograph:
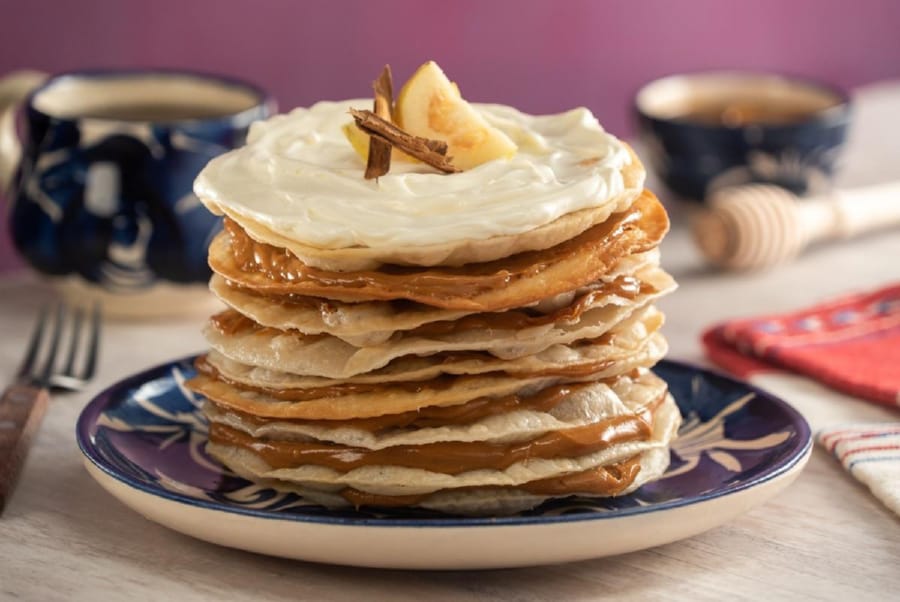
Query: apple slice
[359,140]
[430,105]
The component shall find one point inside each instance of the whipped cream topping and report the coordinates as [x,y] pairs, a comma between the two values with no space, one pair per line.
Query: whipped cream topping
[299,176]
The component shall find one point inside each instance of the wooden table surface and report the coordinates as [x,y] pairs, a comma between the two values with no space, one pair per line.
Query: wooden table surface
[825,538]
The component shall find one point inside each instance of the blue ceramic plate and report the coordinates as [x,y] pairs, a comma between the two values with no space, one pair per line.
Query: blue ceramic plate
[143,439]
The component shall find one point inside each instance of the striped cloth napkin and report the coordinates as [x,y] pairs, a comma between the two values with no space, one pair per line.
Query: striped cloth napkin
[871,453]
[852,346]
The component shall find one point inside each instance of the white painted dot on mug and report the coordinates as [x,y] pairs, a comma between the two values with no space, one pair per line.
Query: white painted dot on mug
[7,425]
[101,189]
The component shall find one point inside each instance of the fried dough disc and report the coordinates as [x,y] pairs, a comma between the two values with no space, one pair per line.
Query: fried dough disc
[336,402]
[522,334]
[580,362]
[582,404]
[330,357]
[374,322]
[450,254]
[391,480]
[473,501]
[638,346]
[393,398]
[510,282]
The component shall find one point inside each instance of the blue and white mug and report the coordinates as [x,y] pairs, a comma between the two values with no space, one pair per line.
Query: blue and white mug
[705,131]
[100,189]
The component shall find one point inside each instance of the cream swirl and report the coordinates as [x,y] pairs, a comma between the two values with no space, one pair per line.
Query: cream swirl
[299,176]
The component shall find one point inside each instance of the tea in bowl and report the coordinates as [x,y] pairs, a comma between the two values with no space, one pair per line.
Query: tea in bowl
[705,131]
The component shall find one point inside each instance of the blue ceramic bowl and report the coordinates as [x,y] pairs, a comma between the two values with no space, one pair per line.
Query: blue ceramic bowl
[705,131]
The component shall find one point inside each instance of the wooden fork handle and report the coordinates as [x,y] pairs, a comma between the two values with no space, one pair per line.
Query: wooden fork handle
[21,410]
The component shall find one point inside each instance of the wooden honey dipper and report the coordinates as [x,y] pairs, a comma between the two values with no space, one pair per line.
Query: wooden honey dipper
[760,225]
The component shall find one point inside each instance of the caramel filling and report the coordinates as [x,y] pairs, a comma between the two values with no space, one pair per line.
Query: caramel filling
[435,416]
[429,416]
[601,481]
[330,391]
[229,322]
[448,457]
[279,265]
[628,287]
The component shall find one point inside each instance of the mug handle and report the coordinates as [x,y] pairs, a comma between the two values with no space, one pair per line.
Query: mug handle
[13,90]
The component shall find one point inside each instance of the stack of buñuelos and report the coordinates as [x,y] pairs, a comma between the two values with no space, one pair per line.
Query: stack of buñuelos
[473,342]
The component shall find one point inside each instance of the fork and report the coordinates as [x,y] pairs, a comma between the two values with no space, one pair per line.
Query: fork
[24,403]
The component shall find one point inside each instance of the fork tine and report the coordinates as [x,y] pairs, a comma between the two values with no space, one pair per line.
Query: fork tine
[45,373]
[90,363]
[74,339]
[27,366]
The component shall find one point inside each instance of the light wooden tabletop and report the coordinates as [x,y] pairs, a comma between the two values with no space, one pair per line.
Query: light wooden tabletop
[825,538]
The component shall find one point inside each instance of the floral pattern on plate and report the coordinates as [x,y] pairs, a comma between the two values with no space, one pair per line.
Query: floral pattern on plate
[148,432]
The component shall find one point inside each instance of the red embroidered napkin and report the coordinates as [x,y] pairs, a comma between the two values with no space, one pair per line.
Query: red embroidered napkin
[850,344]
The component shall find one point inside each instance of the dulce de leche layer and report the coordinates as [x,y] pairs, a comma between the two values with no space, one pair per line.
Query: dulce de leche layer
[426,417]
[447,457]
[455,457]
[603,481]
[626,286]
[492,286]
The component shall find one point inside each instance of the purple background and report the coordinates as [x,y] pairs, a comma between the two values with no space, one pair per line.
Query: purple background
[540,55]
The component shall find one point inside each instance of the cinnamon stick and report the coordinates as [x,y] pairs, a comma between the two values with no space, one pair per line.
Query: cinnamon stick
[379,161]
[432,152]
